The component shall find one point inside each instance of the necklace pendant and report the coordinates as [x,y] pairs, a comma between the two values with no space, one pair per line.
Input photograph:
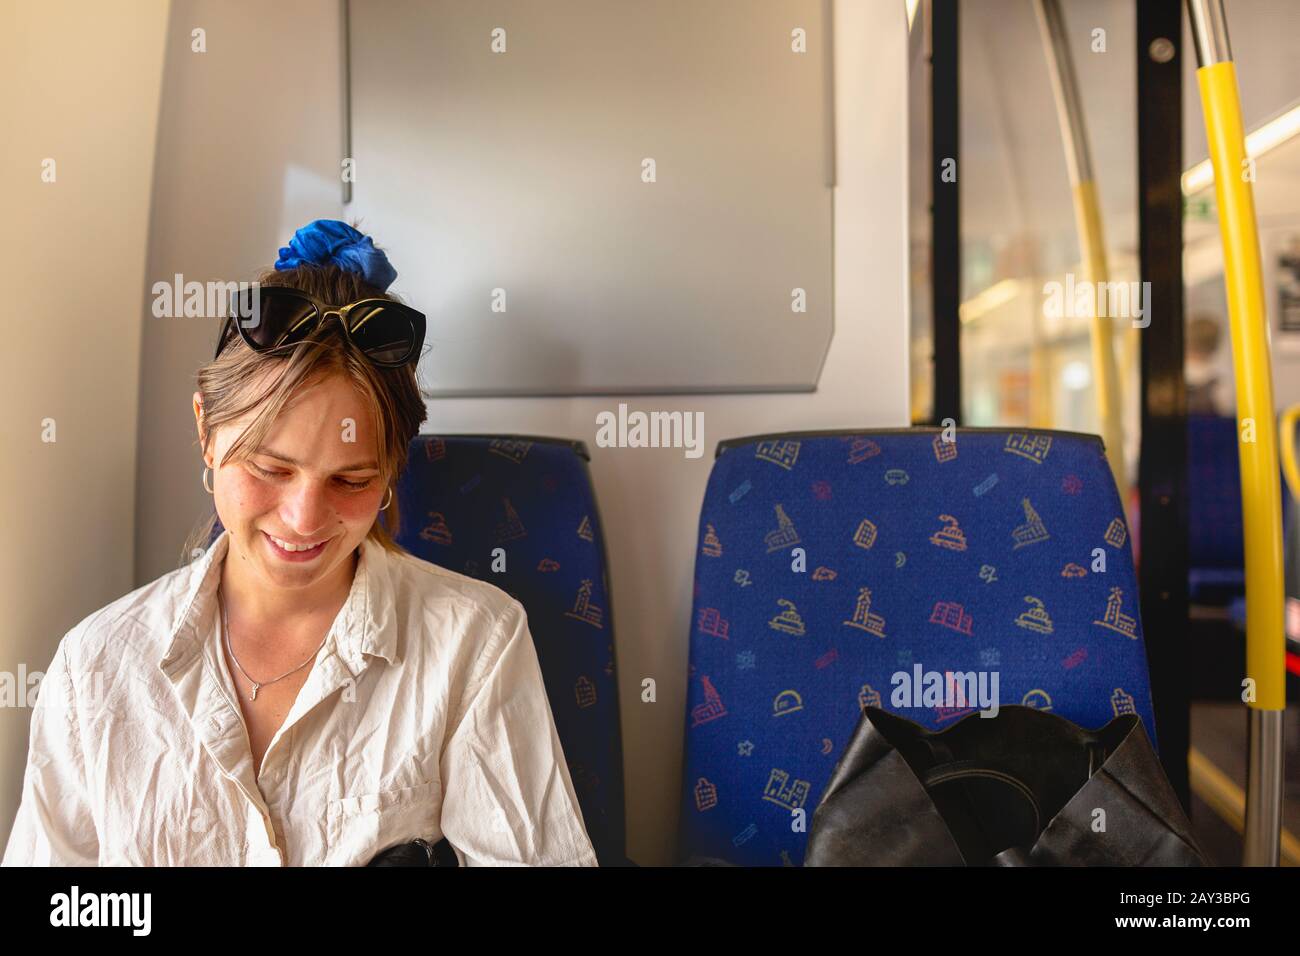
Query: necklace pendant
[255,687]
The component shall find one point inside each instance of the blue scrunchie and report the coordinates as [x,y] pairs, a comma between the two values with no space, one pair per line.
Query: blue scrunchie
[330,242]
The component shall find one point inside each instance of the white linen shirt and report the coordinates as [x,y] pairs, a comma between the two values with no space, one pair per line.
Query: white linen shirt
[424,715]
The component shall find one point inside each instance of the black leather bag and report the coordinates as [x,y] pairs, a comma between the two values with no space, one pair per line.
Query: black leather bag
[1024,788]
[417,853]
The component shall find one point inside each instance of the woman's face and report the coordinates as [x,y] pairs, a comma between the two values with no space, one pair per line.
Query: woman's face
[314,481]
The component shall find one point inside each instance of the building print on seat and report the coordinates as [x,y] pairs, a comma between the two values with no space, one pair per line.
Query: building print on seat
[711,709]
[706,794]
[712,622]
[868,696]
[784,536]
[951,615]
[784,792]
[863,617]
[1033,447]
[512,449]
[778,452]
[1032,531]
[584,610]
[1122,702]
[1115,619]
[512,526]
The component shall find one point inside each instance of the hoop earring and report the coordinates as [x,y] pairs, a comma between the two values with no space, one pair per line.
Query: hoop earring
[206,486]
[390,499]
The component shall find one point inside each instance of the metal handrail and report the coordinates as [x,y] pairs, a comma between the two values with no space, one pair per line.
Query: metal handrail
[1257,432]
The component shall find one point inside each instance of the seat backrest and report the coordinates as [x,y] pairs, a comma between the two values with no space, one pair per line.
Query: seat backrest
[1214,535]
[833,567]
[461,498]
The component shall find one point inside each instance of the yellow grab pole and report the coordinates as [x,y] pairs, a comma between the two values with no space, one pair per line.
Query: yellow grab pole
[1287,440]
[1087,217]
[1087,222]
[1257,434]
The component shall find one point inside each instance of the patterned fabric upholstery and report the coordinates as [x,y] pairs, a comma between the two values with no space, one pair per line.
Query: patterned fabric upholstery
[461,497]
[974,555]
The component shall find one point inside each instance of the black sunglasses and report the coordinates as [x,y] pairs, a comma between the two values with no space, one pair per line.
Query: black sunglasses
[386,332]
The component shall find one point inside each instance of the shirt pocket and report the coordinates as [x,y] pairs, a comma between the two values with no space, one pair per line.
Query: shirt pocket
[361,826]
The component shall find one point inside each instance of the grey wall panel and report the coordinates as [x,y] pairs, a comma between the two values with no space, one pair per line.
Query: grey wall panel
[522,171]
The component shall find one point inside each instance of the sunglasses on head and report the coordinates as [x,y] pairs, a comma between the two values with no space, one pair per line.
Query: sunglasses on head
[386,332]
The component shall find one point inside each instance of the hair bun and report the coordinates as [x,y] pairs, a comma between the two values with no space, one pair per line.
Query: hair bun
[330,242]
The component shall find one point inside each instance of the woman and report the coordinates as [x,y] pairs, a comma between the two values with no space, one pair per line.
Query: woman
[304,692]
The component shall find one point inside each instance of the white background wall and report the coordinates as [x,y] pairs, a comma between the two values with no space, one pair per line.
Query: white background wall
[81,85]
[248,136]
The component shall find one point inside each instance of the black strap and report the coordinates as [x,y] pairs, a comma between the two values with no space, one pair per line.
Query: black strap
[960,770]
[983,825]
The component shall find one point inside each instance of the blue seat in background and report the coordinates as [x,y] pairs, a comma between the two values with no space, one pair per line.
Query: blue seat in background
[1215,540]
[1215,537]
[971,555]
[461,497]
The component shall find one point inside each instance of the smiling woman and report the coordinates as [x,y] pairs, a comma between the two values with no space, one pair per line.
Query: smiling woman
[305,438]
[301,495]
[363,419]
[303,691]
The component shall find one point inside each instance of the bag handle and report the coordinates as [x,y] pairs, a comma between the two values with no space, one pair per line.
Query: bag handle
[960,770]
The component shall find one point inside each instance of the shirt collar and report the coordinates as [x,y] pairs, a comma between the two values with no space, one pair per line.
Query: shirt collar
[365,625]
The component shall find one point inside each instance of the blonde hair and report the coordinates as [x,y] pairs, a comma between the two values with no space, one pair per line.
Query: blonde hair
[227,387]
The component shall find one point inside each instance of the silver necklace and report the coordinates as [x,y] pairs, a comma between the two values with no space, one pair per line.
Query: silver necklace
[257,685]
